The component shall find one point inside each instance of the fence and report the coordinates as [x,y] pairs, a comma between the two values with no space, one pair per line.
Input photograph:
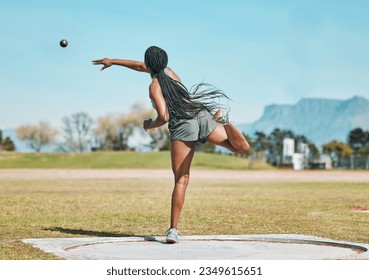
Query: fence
[352,162]
[321,162]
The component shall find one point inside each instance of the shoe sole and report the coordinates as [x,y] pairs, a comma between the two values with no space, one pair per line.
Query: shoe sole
[171,240]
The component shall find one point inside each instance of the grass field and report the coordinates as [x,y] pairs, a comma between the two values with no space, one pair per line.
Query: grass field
[77,207]
[109,160]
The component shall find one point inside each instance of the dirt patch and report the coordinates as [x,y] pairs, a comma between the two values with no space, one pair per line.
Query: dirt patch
[229,175]
[360,208]
[363,209]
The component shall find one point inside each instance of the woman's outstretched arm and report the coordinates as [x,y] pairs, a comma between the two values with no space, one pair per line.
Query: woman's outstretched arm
[131,64]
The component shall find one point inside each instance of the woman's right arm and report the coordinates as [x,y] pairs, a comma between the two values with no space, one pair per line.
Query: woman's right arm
[131,64]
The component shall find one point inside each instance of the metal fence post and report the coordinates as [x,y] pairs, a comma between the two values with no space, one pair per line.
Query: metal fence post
[352,162]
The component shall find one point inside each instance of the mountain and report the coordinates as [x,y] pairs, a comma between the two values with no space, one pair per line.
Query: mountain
[320,120]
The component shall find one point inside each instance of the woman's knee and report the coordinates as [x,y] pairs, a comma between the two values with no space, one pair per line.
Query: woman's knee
[243,148]
[240,147]
[182,179]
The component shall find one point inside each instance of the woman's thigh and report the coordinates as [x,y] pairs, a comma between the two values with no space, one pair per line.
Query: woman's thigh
[181,154]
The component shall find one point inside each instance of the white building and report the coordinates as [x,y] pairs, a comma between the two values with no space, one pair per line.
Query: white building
[288,150]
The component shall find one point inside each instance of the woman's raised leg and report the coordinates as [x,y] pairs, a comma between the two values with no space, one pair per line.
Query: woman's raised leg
[229,137]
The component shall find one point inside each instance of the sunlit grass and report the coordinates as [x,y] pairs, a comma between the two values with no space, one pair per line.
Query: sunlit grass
[84,207]
[153,160]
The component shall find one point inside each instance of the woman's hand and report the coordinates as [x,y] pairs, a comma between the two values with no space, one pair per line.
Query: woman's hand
[147,124]
[107,62]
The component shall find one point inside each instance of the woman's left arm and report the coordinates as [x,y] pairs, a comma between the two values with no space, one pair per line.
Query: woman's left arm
[161,107]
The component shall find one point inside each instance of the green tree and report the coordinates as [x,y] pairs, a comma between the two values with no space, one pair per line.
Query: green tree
[276,138]
[358,139]
[314,151]
[1,140]
[8,144]
[364,152]
[260,144]
[275,144]
[336,150]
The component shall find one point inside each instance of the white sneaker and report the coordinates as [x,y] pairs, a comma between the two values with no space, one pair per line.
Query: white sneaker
[172,235]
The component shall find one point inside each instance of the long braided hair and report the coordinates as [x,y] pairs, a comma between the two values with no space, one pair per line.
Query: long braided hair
[181,102]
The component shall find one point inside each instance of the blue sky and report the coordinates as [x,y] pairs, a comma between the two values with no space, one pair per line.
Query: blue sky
[258,52]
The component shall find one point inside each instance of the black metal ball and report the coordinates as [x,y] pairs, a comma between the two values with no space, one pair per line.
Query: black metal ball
[63,43]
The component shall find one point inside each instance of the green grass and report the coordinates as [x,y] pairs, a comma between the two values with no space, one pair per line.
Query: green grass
[84,207]
[121,160]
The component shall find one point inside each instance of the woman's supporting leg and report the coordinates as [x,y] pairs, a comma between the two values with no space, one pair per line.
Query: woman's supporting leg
[228,136]
[181,154]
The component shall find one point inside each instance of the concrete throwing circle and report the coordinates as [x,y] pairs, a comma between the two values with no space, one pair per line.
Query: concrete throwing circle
[251,247]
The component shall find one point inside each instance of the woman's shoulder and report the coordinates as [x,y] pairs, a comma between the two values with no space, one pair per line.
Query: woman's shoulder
[154,82]
[172,74]
[154,86]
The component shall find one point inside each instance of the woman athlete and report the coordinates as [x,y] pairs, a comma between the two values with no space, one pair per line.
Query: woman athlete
[193,115]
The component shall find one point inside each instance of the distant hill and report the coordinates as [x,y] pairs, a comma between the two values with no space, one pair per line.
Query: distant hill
[320,120]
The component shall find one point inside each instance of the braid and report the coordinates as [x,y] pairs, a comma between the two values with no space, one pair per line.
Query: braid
[182,102]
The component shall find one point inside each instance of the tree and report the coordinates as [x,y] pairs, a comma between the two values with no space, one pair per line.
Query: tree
[77,132]
[336,150]
[105,133]
[113,132]
[275,147]
[364,152]
[358,139]
[159,138]
[8,145]
[1,140]
[260,144]
[276,138]
[273,144]
[314,151]
[131,123]
[37,136]
[126,125]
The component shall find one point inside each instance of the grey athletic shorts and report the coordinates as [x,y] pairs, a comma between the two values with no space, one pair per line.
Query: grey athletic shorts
[196,129]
